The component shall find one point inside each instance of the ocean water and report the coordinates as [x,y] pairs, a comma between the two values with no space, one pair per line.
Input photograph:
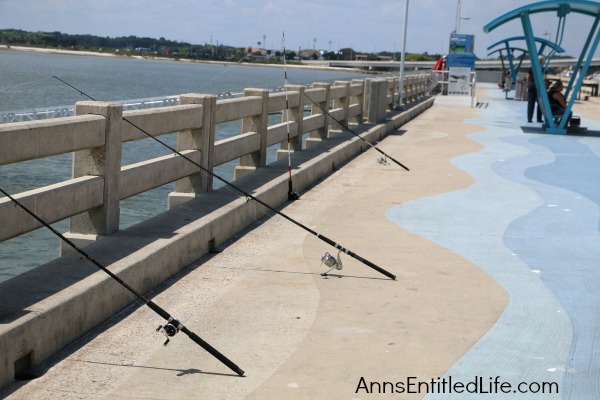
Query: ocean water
[27,83]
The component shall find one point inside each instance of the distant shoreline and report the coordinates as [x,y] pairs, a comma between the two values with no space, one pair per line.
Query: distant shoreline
[154,58]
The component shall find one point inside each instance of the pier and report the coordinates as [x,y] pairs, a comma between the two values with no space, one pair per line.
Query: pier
[493,235]
[199,219]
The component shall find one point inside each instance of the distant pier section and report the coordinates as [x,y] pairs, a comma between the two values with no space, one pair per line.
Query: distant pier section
[428,65]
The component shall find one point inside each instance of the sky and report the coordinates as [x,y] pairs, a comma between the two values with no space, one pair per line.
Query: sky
[366,26]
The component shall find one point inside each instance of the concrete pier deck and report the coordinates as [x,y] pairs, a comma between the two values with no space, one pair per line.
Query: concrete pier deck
[493,236]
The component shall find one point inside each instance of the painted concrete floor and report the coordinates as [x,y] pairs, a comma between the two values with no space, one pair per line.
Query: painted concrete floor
[531,221]
[493,234]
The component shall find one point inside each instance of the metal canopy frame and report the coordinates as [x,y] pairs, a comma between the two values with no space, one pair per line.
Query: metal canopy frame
[544,43]
[562,9]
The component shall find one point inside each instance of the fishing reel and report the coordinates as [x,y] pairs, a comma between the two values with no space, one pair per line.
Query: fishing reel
[331,262]
[293,196]
[169,330]
[383,161]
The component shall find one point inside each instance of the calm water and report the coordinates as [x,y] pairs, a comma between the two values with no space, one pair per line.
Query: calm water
[26,83]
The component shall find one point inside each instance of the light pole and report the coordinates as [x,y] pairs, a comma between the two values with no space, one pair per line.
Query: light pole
[548,35]
[458,17]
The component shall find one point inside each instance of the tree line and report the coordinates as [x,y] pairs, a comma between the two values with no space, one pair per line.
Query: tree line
[124,44]
[134,45]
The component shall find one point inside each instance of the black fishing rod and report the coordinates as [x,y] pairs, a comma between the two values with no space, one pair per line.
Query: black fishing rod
[173,325]
[346,127]
[249,196]
[291,194]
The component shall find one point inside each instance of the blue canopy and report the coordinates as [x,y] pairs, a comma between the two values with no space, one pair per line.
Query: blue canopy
[562,8]
[510,51]
[544,43]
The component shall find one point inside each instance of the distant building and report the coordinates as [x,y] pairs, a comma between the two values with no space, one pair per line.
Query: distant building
[384,58]
[361,57]
[255,53]
[309,54]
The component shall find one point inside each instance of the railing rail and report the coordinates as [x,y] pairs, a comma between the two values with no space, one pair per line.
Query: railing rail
[96,133]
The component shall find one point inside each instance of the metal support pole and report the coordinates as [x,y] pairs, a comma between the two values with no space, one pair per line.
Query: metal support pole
[538,75]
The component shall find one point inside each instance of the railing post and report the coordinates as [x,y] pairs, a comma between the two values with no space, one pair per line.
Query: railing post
[202,139]
[396,92]
[377,100]
[412,83]
[391,94]
[405,91]
[295,114]
[359,99]
[256,123]
[419,86]
[343,103]
[317,108]
[104,161]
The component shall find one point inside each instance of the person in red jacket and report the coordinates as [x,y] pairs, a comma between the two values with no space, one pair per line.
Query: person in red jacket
[440,64]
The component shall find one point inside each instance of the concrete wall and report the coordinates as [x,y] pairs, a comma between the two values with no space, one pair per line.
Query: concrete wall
[47,308]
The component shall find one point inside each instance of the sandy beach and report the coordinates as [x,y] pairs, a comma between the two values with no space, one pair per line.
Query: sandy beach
[324,67]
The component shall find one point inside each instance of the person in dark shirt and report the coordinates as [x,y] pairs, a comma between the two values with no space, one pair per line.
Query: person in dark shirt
[532,95]
[558,103]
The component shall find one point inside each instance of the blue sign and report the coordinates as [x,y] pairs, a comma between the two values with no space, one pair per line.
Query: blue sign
[466,60]
[462,43]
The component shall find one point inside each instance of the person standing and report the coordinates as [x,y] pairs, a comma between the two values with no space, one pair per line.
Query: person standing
[532,95]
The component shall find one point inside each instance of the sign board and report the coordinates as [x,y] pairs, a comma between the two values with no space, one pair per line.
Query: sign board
[459,79]
[460,60]
[462,43]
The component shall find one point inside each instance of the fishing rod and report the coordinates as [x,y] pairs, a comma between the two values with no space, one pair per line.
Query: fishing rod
[250,53]
[173,325]
[249,196]
[291,194]
[381,160]
[295,195]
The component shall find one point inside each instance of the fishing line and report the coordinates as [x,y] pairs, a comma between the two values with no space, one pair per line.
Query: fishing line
[24,83]
[291,194]
[346,127]
[249,196]
[228,67]
[560,30]
[173,325]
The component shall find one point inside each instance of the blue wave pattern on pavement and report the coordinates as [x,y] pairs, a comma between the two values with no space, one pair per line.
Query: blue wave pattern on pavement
[531,221]
[561,242]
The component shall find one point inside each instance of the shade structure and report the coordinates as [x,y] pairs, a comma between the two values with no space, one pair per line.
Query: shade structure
[562,9]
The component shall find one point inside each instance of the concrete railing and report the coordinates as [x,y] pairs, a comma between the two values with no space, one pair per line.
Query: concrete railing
[199,217]
[95,136]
